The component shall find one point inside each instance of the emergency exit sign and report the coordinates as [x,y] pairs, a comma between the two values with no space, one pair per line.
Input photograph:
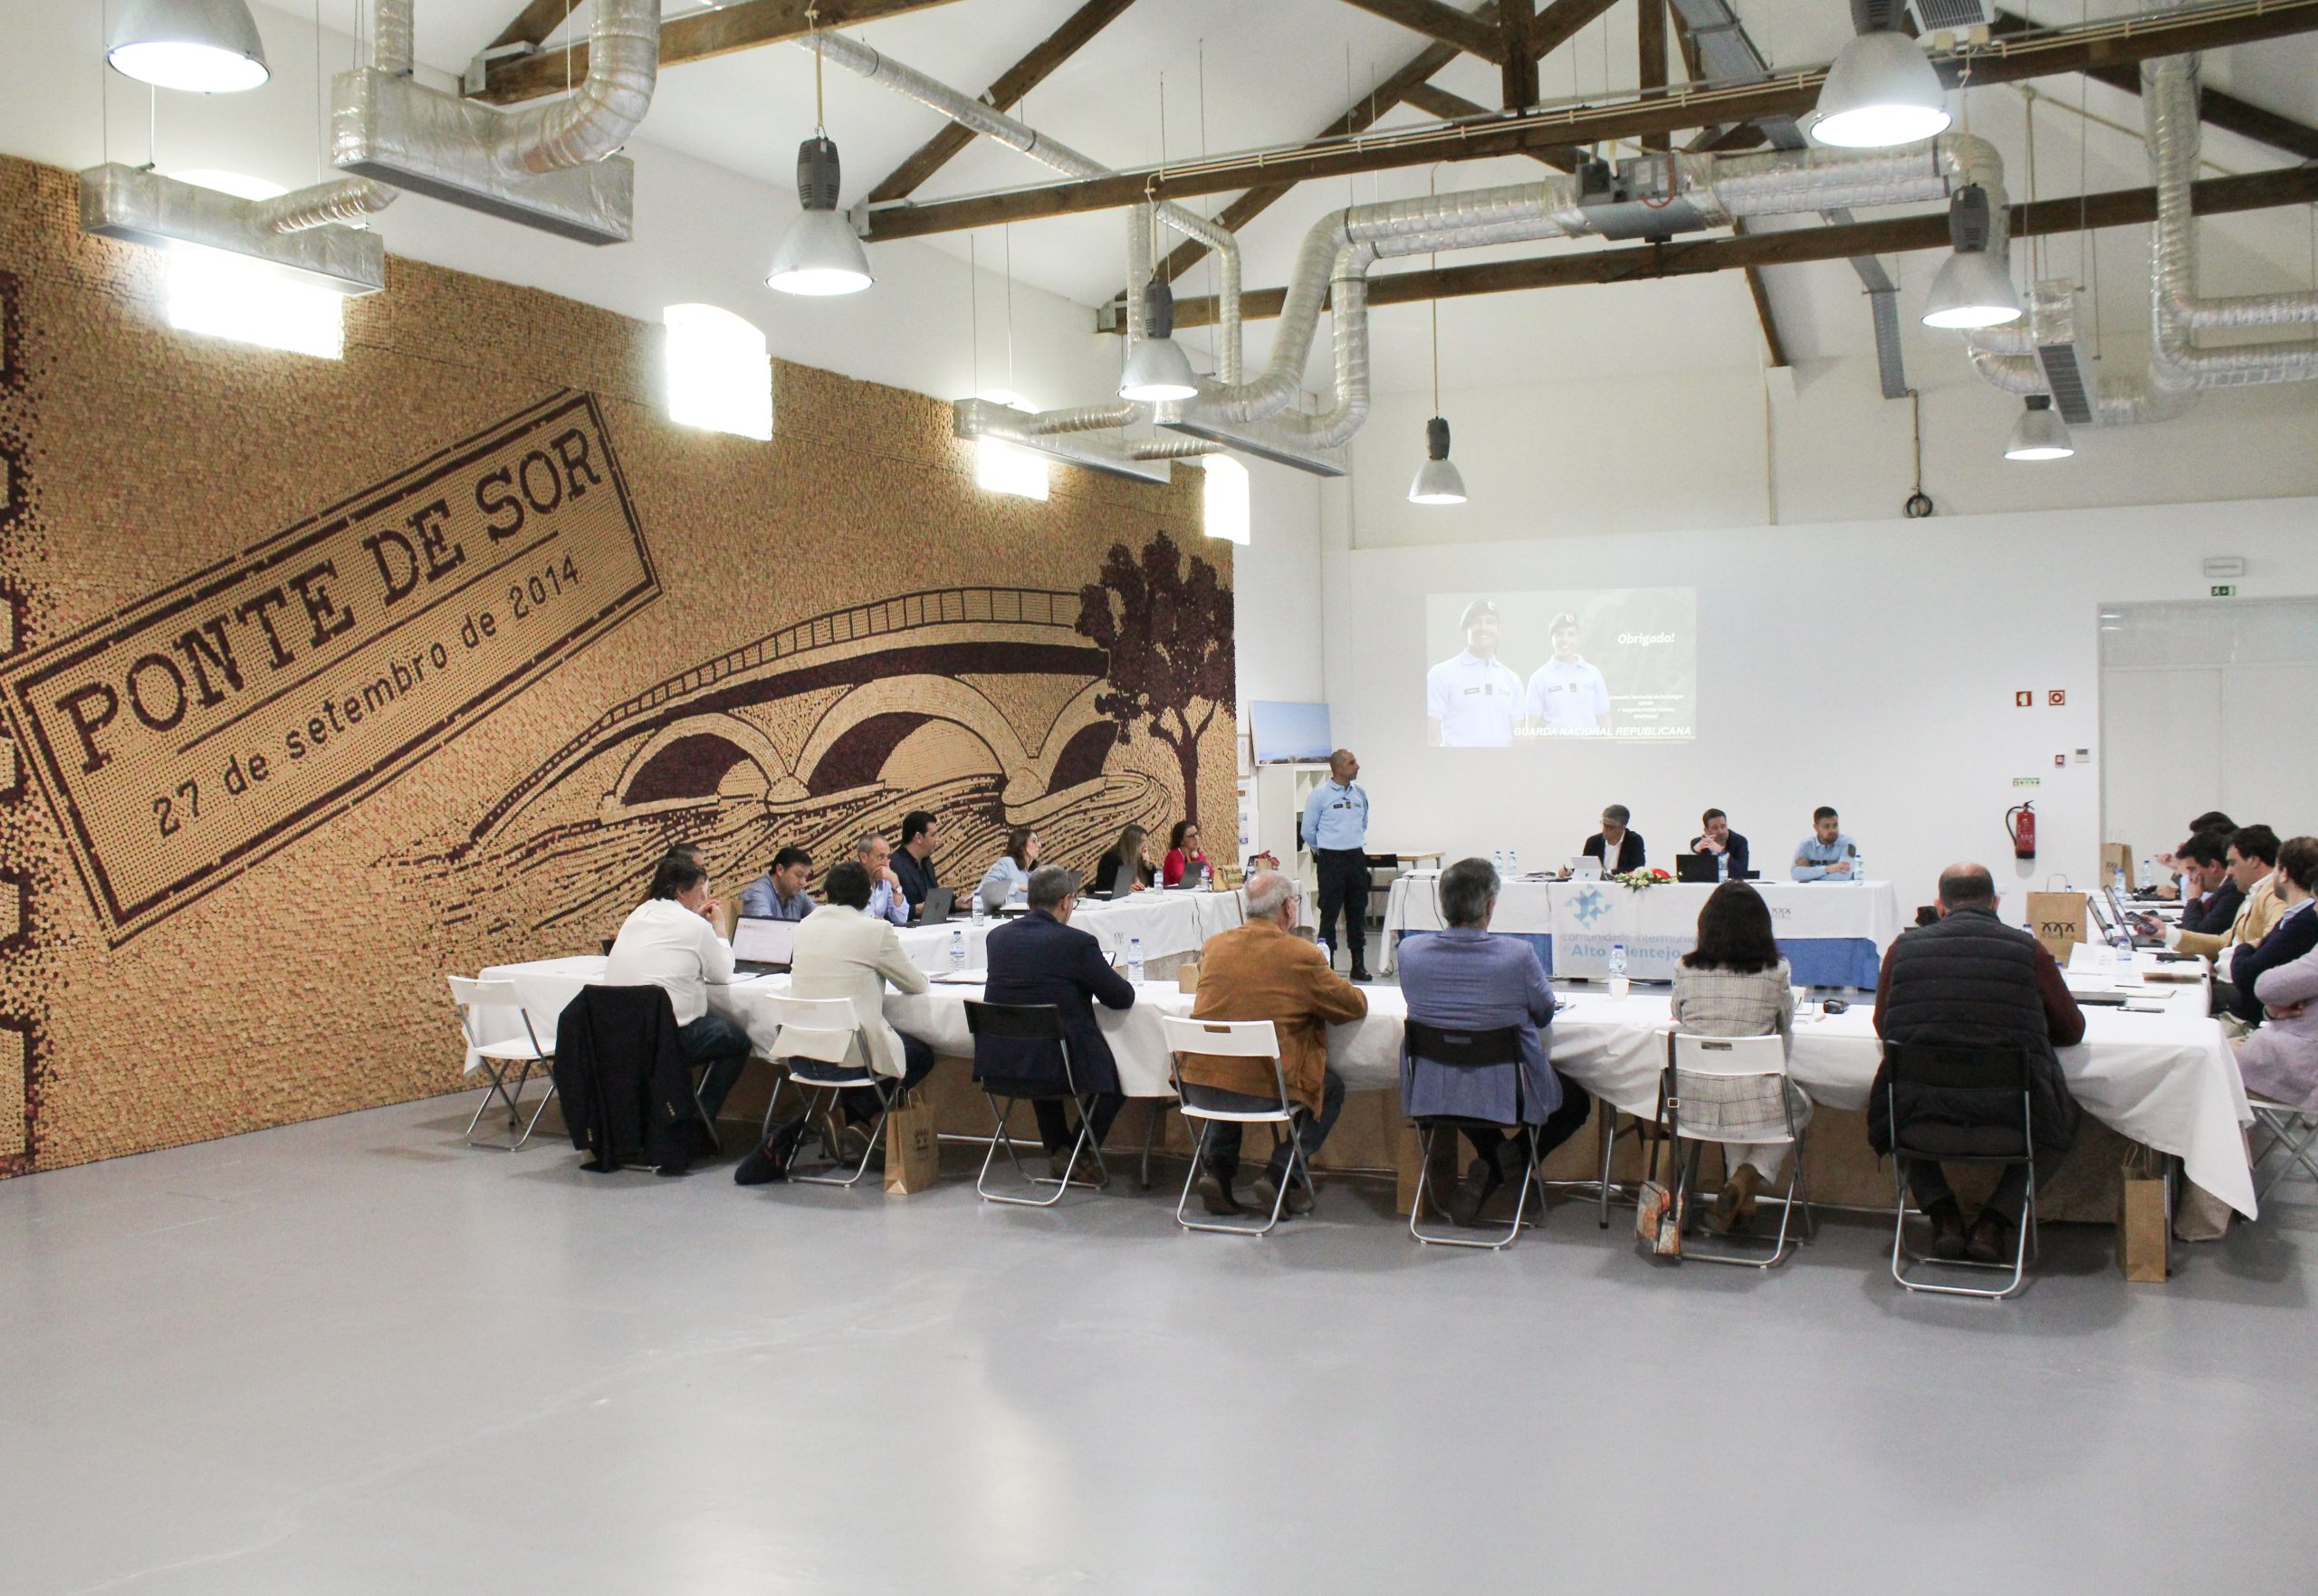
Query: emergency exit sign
[2222,590]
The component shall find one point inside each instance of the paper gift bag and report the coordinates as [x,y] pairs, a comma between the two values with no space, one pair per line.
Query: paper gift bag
[2118,857]
[2057,919]
[2143,1223]
[912,1150]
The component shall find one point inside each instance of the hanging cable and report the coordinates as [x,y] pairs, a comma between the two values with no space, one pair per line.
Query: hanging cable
[1919,504]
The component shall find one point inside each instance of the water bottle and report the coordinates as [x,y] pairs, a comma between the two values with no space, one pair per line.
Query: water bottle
[1134,960]
[1722,866]
[1858,868]
[1513,864]
[1617,960]
[2123,942]
[982,908]
[1498,859]
[2148,874]
[1328,955]
[957,952]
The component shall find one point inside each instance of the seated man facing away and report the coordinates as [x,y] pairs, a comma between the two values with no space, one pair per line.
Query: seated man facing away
[667,942]
[842,951]
[1464,979]
[1263,971]
[1718,839]
[1827,854]
[2210,893]
[1042,958]
[887,901]
[1970,980]
[780,893]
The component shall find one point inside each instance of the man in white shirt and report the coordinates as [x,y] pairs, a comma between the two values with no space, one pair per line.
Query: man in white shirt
[1567,697]
[1473,701]
[667,942]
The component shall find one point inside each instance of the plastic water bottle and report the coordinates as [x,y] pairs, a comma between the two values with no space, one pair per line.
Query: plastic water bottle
[1617,960]
[1722,866]
[1513,864]
[1327,954]
[1858,868]
[1498,859]
[2121,940]
[982,908]
[957,952]
[1134,959]
[2147,874]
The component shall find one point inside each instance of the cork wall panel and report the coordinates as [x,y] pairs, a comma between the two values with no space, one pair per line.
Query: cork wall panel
[786,642]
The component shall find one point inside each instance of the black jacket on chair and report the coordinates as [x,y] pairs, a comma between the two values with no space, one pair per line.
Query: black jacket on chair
[627,1093]
[1038,960]
[1631,855]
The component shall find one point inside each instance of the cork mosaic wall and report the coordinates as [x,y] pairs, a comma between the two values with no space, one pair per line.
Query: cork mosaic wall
[323,679]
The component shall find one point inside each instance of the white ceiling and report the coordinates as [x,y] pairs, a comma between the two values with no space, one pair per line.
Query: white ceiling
[1239,75]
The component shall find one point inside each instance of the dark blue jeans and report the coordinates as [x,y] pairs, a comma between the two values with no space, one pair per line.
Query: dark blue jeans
[1223,1136]
[861,1105]
[722,1051]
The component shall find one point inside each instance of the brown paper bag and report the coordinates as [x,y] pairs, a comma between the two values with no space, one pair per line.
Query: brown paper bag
[2143,1228]
[912,1150]
[2116,856]
[2057,919]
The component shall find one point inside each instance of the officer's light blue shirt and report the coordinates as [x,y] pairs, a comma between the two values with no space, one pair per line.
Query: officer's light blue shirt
[1815,856]
[887,902]
[1336,817]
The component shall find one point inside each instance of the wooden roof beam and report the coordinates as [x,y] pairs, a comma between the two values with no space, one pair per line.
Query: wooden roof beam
[1461,30]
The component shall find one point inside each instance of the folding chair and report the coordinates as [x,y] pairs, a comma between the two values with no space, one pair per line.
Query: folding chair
[1027,1022]
[1608,1132]
[1236,1039]
[1996,1080]
[1433,1047]
[1733,1089]
[2285,1126]
[821,1039]
[496,1056]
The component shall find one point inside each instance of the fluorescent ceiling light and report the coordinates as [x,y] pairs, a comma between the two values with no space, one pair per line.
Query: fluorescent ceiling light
[201,46]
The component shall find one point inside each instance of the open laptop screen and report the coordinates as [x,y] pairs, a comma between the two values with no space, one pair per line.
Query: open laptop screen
[764,942]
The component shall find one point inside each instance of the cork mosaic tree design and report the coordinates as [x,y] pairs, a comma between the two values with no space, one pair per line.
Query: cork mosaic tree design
[1168,631]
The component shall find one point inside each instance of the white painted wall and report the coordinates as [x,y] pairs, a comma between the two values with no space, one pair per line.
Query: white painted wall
[1276,584]
[1870,664]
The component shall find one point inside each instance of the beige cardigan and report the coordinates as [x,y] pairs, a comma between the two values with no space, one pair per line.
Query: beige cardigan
[2255,915]
[842,952]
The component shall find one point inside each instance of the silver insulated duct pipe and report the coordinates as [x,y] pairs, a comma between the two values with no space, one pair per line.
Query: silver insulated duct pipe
[550,166]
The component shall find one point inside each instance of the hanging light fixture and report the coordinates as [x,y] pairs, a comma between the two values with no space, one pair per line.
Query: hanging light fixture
[2040,433]
[1882,89]
[1974,289]
[820,255]
[201,46]
[1157,368]
[1437,481]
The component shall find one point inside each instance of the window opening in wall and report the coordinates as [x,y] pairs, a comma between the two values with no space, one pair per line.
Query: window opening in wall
[1226,498]
[719,376]
[1000,467]
[218,294]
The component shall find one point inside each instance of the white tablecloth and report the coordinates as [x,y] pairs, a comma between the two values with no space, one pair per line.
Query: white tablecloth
[2167,1080]
[1170,924]
[1833,934]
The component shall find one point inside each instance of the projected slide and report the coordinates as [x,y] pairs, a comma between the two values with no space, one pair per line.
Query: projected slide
[1520,668]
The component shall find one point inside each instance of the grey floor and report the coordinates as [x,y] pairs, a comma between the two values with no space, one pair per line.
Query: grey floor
[355,1356]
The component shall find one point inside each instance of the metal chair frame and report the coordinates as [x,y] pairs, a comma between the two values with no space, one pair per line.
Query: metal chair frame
[1467,1049]
[2285,1126]
[473,997]
[813,1074]
[1242,1038]
[1905,1261]
[1691,1054]
[1036,1022]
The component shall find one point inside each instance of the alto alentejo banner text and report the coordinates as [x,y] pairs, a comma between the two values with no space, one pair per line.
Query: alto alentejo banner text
[217,720]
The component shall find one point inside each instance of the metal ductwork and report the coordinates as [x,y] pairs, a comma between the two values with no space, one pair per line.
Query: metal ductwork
[550,166]
[1106,453]
[301,235]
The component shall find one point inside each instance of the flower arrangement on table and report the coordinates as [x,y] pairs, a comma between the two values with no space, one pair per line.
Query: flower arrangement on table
[1635,881]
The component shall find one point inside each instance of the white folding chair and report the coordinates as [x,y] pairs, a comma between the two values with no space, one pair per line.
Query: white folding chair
[2284,1126]
[496,1056]
[1733,1089]
[822,1045]
[1239,1038]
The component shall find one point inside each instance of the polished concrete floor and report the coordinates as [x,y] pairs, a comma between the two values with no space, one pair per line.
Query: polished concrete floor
[356,1356]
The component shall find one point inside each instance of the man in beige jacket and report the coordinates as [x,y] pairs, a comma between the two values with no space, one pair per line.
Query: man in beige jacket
[2252,861]
[1262,971]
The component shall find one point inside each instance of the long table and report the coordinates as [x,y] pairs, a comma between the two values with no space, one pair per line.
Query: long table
[1170,925]
[1833,934]
[2167,1080]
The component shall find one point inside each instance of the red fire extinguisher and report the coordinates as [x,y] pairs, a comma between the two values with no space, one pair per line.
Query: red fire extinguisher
[2021,821]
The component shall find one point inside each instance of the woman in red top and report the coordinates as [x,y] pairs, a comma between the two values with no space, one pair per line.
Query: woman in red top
[1184,856]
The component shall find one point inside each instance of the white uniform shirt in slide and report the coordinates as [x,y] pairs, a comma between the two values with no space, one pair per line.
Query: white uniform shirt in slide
[665,944]
[1474,699]
[1569,697]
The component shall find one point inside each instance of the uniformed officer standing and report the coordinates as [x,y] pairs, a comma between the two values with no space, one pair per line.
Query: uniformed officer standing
[1336,828]
[1473,699]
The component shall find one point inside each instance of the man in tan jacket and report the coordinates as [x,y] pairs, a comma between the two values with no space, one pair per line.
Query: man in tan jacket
[2253,860]
[1263,971]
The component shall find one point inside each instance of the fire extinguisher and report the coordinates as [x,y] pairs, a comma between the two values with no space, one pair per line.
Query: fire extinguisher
[2022,829]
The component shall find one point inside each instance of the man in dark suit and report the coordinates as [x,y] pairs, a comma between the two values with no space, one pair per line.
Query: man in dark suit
[1619,849]
[1718,839]
[2211,895]
[1042,959]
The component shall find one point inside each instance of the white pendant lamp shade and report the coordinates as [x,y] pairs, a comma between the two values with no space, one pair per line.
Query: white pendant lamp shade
[1157,370]
[2040,433]
[1972,290]
[1882,91]
[820,255]
[202,47]
[1438,480]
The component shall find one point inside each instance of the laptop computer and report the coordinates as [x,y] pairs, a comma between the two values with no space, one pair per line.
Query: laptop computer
[764,947]
[1586,867]
[1194,876]
[939,900]
[1694,866]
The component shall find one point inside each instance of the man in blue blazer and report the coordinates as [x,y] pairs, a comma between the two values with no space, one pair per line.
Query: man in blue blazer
[1040,958]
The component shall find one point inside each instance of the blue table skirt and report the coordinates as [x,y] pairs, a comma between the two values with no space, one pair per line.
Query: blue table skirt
[1816,961]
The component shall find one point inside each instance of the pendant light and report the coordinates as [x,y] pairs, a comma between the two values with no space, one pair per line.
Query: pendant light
[820,254]
[1973,288]
[1882,89]
[2040,433]
[1157,370]
[1437,481]
[201,46]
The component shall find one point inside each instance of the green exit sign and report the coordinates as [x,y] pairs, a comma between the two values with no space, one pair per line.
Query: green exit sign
[2222,590]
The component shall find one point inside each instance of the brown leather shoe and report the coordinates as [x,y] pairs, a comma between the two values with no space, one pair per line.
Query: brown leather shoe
[1990,1240]
[1735,1203]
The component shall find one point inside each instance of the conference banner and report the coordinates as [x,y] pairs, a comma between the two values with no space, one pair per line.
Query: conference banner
[217,720]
